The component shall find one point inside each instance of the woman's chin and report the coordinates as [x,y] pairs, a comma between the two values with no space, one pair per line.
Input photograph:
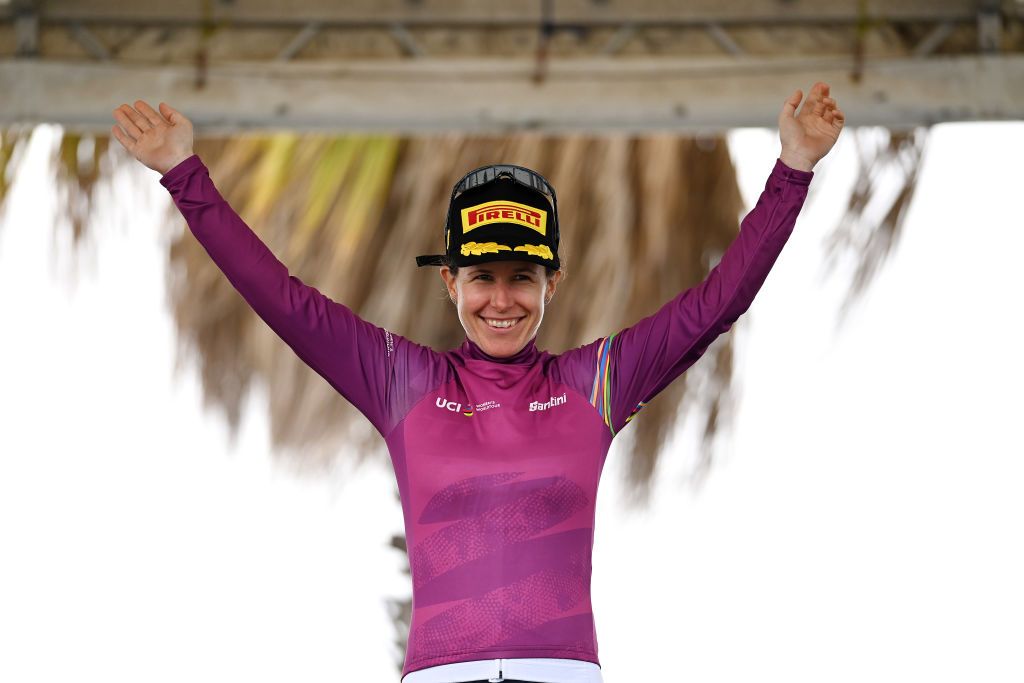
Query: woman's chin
[501,346]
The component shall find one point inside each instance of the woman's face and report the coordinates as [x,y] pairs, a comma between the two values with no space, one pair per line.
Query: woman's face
[501,304]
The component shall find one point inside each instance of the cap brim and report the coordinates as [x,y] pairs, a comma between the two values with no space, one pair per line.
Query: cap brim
[474,259]
[431,260]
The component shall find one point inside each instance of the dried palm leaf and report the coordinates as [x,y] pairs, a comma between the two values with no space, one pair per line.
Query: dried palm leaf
[870,229]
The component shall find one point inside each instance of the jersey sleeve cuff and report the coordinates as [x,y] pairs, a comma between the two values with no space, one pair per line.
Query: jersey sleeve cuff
[183,169]
[792,175]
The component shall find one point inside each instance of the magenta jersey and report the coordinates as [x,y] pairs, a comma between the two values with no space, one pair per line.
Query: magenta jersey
[497,459]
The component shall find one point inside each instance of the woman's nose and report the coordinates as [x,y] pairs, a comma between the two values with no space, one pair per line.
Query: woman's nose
[501,297]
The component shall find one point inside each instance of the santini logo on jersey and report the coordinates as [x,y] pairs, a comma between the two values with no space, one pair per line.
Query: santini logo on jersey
[504,212]
[550,403]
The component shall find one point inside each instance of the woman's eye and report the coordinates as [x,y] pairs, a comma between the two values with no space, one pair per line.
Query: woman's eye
[487,276]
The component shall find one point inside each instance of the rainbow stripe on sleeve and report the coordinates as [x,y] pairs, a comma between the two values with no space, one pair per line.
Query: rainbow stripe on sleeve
[639,407]
[601,393]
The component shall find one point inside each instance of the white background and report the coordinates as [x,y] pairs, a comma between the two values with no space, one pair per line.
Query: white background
[864,522]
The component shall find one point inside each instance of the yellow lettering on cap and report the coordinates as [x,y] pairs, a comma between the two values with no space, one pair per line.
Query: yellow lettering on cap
[504,212]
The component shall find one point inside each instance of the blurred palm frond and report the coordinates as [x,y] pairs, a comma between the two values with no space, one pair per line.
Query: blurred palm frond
[871,227]
[78,170]
[12,146]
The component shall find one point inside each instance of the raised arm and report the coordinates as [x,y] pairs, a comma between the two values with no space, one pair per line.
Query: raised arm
[632,366]
[357,358]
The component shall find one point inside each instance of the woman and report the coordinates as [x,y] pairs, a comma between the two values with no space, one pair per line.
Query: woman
[497,447]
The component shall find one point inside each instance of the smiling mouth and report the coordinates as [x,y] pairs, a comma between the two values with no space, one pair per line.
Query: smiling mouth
[496,324]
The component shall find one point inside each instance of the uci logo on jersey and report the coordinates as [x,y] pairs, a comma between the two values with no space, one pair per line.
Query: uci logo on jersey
[442,402]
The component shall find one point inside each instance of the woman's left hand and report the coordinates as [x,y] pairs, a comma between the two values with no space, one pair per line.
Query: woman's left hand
[809,135]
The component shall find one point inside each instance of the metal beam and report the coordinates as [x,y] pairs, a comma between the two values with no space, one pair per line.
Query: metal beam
[618,40]
[498,96]
[260,31]
[990,26]
[89,42]
[406,42]
[300,41]
[465,13]
[723,39]
[25,16]
[934,39]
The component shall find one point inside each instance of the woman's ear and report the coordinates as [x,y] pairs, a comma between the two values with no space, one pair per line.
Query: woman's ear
[449,283]
[552,284]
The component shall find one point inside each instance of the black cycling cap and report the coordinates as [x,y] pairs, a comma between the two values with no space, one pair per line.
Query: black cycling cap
[500,212]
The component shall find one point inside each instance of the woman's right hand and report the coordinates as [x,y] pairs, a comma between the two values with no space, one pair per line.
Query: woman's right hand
[160,140]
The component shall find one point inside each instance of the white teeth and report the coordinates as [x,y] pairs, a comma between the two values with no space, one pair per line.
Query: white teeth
[501,323]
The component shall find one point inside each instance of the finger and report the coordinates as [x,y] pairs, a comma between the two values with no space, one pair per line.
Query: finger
[172,115]
[827,104]
[790,105]
[817,95]
[125,141]
[151,114]
[140,121]
[133,131]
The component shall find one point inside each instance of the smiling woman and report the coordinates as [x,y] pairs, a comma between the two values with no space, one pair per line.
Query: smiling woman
[497,447]
[501,267]
[501,304]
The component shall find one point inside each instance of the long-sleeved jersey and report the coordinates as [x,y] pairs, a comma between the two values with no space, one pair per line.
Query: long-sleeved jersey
[497,459]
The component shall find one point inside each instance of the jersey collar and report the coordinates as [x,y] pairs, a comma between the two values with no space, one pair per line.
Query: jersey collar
[526,355]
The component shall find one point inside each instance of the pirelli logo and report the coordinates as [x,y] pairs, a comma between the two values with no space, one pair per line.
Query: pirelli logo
[504,212]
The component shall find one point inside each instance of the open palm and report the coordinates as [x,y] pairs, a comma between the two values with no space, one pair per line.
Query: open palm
[812,132]
[159,139]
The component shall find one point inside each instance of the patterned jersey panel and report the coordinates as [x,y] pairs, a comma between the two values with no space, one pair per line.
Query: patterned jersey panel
[498,472]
